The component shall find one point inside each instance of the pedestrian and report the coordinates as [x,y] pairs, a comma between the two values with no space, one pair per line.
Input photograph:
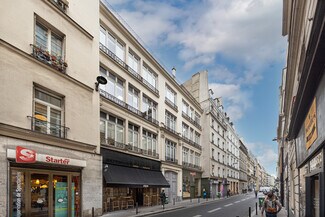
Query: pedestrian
[271,205]
[163,198]
[204,193]
[228,193]
[255,193]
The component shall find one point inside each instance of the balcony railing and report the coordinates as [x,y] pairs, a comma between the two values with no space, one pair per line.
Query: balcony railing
[171,160]
[171,130]
[49,128]
[187,117]
[171,104]
[129,147]
[192,143]
[126,106]
[50,60]
[128,69]
[190,165]
[61,4]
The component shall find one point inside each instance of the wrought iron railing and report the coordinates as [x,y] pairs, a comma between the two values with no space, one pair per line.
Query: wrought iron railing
[124,105]
[50,60]
[190,165]
[128,147]
[61,4]
[192,143]
[49,128]
[187,117]
[171,104]
[171,160]
[171,130]
[127,68]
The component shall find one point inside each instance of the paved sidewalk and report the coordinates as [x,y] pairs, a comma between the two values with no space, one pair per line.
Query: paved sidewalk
[149,210]
[282,213]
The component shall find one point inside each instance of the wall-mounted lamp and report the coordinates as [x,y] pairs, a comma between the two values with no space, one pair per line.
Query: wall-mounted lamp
[100,80]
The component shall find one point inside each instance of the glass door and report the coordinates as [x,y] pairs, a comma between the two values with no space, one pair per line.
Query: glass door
[315,193]
[39,202]
[60,195]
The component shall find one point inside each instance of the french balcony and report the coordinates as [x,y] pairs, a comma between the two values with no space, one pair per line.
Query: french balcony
[195,123]
[171,104]
[171,160]
[126,106]
[53,61]
[192,143]
[109,142]
[42,126]
[128,69]
[171,130]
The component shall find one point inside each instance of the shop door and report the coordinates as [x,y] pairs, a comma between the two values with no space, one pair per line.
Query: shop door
[39,203]
[315,197]
[171,192]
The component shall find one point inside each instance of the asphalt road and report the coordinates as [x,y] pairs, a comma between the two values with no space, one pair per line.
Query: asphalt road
[230,207]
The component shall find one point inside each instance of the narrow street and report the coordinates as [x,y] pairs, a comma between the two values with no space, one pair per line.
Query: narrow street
[230,207]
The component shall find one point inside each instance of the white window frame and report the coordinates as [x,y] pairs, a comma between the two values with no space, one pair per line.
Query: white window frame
[170,94]
[114,86]
[133,135]
[150,76]
[170,120]
[134,61]
[170,150]
[133,97]
[118,127]
[147,104]
[112,43]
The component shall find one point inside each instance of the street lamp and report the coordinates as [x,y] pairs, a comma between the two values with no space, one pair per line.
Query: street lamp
[100,80]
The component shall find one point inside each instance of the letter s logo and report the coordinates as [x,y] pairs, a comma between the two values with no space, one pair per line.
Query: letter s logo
[24,155]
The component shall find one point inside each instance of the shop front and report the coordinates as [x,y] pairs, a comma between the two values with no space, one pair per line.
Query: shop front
[43,185]
[129,180]
[191,183]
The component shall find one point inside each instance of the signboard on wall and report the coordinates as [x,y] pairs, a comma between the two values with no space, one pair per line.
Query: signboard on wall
[311,125]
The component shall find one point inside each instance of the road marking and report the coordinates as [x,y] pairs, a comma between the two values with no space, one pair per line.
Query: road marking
[237,201]
[243,200]
[213,210]
[229,204]
[197,216]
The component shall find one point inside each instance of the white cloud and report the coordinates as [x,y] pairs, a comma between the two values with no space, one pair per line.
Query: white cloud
[268,157]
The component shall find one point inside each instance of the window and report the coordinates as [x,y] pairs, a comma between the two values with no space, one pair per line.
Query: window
[111,127]
[185,108]
[191,113]
[149,141]
[191,157]
[170,95]
[191,134]
[114,85]
[170,150]
[133,97]
[197,138]
[134,61]
[112,43]
[185,130]
[149,76]
[218,156]
[170,121]
[197,159]
[185,155]
[133,135]
[212,137]
[213,170]
[149,107]
[212,123]
[219,171]
[48,113]
[213,153]
[48,40]
[197,118]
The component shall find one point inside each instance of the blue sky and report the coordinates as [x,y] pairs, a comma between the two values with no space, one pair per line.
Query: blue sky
[239,42]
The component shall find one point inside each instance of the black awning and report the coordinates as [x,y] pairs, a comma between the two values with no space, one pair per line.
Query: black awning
[133,177]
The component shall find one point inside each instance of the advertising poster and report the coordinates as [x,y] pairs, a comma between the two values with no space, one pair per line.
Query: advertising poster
[72,200]
[61,199]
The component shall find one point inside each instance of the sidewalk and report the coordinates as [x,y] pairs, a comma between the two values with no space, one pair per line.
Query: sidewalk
[149,210]
[282,213]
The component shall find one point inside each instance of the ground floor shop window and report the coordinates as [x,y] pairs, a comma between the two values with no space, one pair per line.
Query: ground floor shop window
[44,193]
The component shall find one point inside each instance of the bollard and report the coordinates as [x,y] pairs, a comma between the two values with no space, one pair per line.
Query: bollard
[174,201]
[256,207]
[191,199]
[249,212]
[136,208]
[198,200]
[93,212]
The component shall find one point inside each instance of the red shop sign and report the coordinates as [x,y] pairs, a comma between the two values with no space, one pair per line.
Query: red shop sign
[24,155]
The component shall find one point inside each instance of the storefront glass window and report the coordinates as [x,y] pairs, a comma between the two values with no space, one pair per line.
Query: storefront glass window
[39,195]
[18,193]
[75,196]
[60,196]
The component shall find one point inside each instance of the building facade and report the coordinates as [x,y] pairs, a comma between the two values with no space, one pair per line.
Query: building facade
[300,132]
[49,137]
[243,161]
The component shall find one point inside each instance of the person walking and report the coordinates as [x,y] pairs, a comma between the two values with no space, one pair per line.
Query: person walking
[255,193]
[204,193]
[271,205]
[163,198]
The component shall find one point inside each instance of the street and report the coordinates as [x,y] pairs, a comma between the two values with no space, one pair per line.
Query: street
[229,207]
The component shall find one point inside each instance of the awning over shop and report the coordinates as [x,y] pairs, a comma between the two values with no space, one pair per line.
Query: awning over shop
[133,177]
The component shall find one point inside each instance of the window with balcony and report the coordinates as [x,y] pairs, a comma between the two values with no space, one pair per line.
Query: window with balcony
[170,151]
[170,95]
[149,107]
[170,121]
[114,86]
[149,76]
[112,43]
[197,159]
[111,128]
[48,45]
[48,114]
[191,157]
[133,135]
[185,130]
[134,62]
[185,155]
[197,118]
[149,141]
[197,138]
[133,97]
[191,134]
[185,108]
